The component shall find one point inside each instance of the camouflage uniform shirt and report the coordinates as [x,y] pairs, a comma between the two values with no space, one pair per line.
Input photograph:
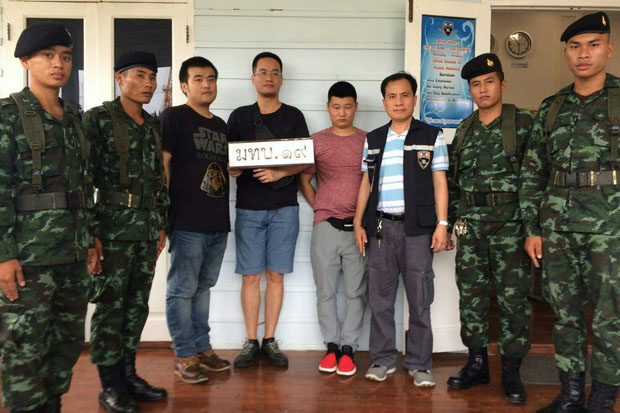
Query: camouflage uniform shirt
[44,237]
[485,167]
[144,170]
[580,142]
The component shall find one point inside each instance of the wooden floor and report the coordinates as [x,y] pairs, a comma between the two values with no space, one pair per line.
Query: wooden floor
[302,388]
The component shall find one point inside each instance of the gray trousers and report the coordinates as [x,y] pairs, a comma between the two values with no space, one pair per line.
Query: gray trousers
[413,258]
[333,251]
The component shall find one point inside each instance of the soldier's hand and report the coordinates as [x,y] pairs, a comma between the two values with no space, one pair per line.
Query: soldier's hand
[161,243]
[440,238]
[360,238]
[92,262]
[99,249]
[451,244]
[10,271]
[266,175]
[533,247]
[233,172]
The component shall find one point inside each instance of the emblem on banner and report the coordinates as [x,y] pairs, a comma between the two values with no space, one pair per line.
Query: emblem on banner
[424,159]
[448,28]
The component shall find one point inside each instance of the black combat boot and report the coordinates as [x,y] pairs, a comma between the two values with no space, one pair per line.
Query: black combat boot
[137,387]
[573,396]
[475,372]
[602,398]
[113,396]
[52,405]
[511,380]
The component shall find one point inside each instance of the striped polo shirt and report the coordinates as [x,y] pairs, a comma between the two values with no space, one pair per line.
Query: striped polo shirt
[391,179]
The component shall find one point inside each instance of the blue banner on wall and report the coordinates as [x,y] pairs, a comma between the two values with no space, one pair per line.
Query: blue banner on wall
[447,44]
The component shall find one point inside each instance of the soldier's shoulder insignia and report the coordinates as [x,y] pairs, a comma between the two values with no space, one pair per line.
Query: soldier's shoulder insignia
[424,159]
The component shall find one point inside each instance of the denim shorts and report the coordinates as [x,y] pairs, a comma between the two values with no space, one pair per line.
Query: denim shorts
[266,239]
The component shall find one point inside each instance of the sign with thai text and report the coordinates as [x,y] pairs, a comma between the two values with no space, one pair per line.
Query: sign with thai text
[447,44]
[275,152]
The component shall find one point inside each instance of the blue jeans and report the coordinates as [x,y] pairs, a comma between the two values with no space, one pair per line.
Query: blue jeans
[196,261]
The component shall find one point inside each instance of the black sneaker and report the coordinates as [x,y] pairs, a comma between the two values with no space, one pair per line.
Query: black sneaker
[249,353]
[272,352]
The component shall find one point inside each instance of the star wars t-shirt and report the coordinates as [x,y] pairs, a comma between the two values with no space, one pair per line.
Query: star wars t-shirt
[199,181]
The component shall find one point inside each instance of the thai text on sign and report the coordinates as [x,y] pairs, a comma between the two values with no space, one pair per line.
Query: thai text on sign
[274,152]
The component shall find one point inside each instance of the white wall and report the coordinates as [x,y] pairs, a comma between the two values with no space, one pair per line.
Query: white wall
[319,42]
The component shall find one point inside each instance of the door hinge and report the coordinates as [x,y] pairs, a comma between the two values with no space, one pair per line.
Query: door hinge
[187,33]
[8,32]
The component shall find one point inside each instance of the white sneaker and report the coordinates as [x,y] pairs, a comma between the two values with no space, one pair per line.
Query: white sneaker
[422,378]
[379,373]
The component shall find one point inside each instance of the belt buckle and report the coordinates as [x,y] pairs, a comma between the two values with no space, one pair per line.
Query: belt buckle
[493,199]
[592,178]
[613,177]
[53,200]
[129,200]
[556,178]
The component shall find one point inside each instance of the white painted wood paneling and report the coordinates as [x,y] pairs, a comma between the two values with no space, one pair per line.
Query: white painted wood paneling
[320,42]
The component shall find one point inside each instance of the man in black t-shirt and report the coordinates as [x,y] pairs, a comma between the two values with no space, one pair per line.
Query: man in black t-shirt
[195,154]
[267,222]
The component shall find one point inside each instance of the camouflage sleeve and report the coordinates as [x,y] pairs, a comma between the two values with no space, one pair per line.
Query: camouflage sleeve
[8,246]
[90,192]
[534,175]
[454,192]
[91,130]
[163,203]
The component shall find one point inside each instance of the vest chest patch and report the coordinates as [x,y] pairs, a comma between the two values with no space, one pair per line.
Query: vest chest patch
[424,159]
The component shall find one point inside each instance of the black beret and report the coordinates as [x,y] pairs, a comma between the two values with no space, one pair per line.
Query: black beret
[481,65]
[592,23]
[42,35]
[135,59]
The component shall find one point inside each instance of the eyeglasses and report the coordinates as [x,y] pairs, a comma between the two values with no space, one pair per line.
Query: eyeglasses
[264,73]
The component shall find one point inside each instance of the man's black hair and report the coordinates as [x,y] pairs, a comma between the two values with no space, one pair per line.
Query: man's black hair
[342,89]
[196,61]
[263,55]
[399,76]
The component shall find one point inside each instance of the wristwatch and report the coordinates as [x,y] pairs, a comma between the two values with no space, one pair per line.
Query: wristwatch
[442,223]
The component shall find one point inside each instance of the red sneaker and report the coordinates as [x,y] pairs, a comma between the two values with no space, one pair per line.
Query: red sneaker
[328,363]
[346,364]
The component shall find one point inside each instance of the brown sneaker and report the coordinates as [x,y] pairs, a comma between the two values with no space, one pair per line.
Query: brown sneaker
[210,361]
[189,370]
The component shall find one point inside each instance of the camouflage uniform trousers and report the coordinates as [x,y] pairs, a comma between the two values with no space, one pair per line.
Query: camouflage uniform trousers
[45,333]
[121,293]
[492,252]
[581,268]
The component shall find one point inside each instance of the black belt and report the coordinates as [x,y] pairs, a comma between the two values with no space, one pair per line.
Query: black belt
[50,200]
[391,217]
[127,200]
[341,224]
[580,179]
[489,198]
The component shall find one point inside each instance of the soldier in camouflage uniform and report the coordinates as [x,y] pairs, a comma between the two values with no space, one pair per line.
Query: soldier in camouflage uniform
[484,183]
[129,226]
[44,228]
[570,202]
